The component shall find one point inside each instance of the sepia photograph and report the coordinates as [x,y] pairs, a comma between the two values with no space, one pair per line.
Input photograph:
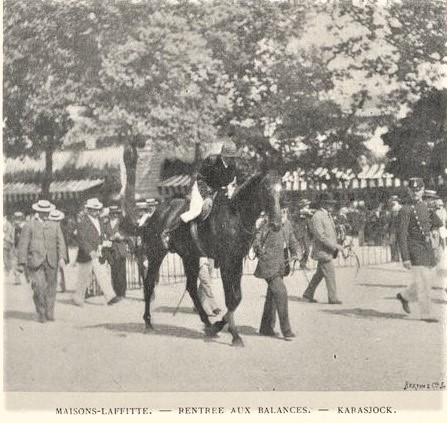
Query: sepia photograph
[224,196]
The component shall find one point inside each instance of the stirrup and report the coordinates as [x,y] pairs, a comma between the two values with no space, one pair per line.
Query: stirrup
[165,238]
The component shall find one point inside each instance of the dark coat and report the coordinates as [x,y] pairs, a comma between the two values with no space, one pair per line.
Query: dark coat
[119,246]
[414,242]
[88,237]
[269,247]
[214,174]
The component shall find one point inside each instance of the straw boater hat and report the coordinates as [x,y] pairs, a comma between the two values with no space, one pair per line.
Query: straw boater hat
[114,210]
[430,194]
[151,202]
[93,203]
[56,215]
[43,206]
[303,203]
[142,205]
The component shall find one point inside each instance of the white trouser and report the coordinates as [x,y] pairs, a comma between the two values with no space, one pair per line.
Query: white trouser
[102,274]
[195,206]
[205,291]
[419,290]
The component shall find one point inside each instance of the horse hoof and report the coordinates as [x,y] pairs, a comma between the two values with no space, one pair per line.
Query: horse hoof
[211,331]
[149,328]
[237,342]
[218,326]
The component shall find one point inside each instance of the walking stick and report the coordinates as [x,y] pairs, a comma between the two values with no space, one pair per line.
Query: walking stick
[181,299]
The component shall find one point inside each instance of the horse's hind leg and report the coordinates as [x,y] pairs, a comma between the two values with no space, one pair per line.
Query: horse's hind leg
[191,265]
[154,263]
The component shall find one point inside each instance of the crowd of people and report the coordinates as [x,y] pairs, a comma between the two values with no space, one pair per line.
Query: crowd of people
[417,236]
[36,250]
[36,247]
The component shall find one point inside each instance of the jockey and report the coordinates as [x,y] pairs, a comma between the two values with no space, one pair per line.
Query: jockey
[217,171]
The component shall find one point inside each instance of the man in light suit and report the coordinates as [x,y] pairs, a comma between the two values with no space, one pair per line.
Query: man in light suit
[325,248]
[42,250]
[92,237]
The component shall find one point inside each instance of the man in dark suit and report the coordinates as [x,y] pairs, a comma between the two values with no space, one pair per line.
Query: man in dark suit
[42,250]
[118,253]
[217,171]
[93,236]
[415,223]
[393,225]
[269,245]
[325,248]
[302,230]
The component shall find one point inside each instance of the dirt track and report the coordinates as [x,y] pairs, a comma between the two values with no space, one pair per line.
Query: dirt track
[367,343]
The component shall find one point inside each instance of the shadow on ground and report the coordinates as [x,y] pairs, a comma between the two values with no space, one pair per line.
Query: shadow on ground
[168,309]
[160,330]
[366,313]
[379,285]
[247,330]
[86,304]
[297,299]
[19,315]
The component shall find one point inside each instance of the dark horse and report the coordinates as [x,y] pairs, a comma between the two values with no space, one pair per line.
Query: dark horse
[226,236]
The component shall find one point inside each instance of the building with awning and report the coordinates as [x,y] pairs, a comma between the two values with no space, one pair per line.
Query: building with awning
[100,172]
[17,192]
[175,186]
[77,175]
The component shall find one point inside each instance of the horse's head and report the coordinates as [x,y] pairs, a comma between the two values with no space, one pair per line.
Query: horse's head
[261,192]
[270,192]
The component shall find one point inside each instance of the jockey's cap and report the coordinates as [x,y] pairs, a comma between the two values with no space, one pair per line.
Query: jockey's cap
[229,149]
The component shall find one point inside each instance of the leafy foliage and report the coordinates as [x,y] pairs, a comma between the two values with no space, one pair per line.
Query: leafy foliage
[295,83]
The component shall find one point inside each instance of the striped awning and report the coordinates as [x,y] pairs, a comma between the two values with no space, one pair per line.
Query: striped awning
[176,185]
[19,191]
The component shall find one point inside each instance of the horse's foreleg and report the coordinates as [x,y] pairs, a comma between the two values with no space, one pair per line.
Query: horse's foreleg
[231,278]
[237,340]
[191,265]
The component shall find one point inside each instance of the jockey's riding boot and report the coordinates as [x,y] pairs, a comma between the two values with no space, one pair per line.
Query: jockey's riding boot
[166,234]
[165,238]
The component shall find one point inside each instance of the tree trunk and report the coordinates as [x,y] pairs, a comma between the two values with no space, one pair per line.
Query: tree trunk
[130,158]
[48,173]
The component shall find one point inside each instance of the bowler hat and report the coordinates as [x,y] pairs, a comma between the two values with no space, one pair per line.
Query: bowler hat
[326,198]
[416,183]
[283,202]
[43,206]
[93,203]
[56,215]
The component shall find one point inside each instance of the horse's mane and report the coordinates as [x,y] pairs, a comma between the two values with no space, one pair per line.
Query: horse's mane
[242,190]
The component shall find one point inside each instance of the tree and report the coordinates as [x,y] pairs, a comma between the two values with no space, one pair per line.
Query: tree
[157,85]
[43,71]
[418,143]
